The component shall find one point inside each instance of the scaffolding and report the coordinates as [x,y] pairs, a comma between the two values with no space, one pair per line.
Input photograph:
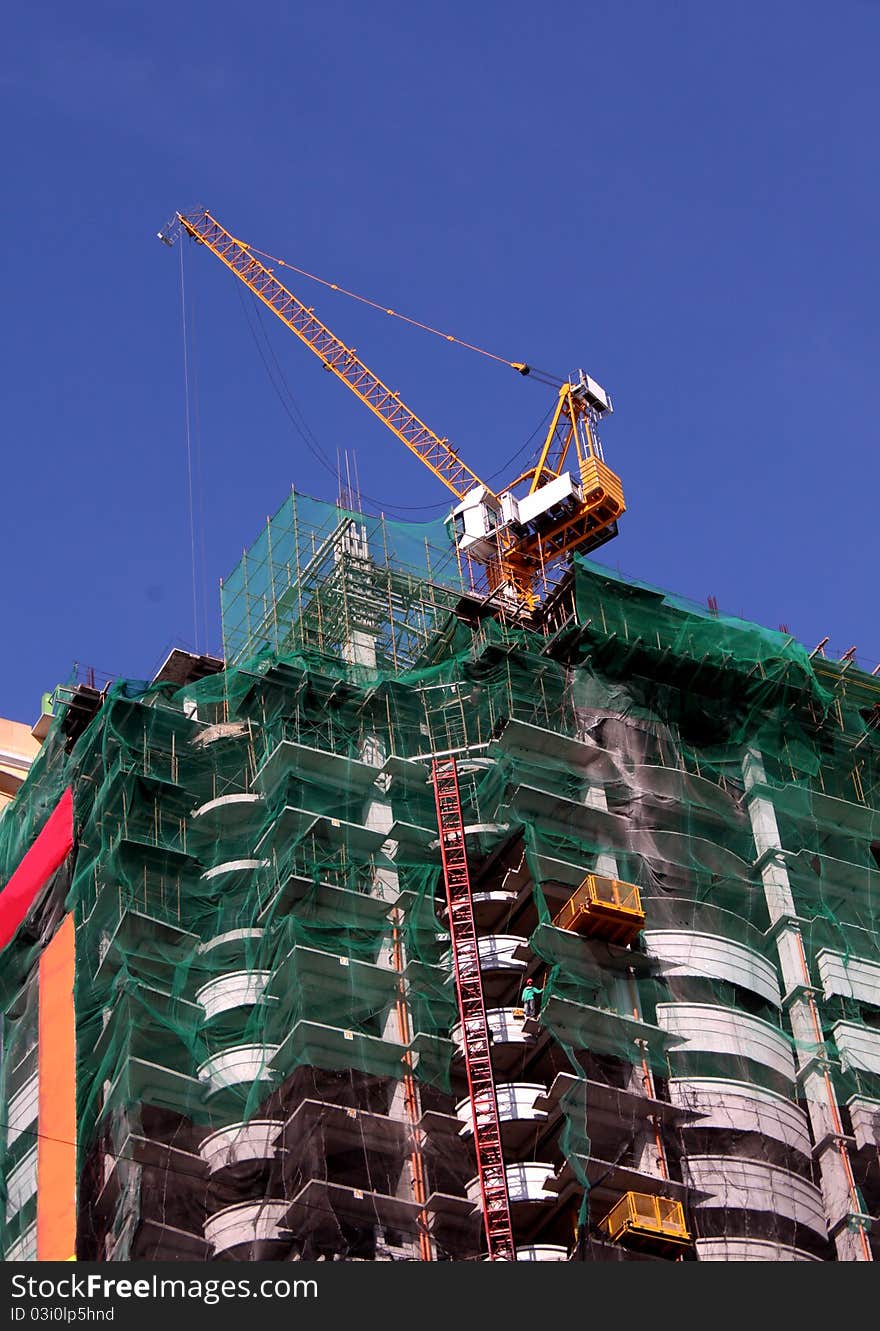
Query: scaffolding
[325,578]
[269,1062]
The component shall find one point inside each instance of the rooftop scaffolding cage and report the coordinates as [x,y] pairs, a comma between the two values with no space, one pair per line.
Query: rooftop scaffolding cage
[325,578]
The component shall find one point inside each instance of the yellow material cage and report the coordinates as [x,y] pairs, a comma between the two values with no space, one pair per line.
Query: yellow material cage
[640,1218]
[603,908]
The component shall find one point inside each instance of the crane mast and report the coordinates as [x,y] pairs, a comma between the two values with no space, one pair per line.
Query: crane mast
[513,541]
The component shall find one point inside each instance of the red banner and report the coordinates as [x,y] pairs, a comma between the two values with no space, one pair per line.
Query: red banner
[37,867]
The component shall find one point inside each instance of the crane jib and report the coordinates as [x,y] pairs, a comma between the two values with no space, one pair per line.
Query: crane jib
[434,451]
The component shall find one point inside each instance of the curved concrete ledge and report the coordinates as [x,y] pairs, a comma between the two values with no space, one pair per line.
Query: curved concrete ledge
[542,1252]
[505,1028]
[23,1109]
[228,808]
[516,1100]
[21,1182]
[672,783]
[496,952]
[246,1223]
[239,1142]
[865,1117]
[852,977]
[232,990]
[858,1046]
[24,1249]
[753,1185]
[718,1030]
[232,938]
[749,1250]
[220,730]
[242,1065]
[525,1183]
[233,866]
[742,1107]
[688,953]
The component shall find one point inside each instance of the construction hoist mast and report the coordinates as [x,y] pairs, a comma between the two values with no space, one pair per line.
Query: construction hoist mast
[472,1013]
[513,541]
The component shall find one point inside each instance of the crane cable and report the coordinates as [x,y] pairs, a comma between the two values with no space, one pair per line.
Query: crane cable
[189,454]
[540,376]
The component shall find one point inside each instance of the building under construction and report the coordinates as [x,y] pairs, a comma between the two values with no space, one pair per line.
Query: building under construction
[268,921]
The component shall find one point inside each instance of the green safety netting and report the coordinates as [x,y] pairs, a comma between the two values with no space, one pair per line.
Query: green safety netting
[257,886]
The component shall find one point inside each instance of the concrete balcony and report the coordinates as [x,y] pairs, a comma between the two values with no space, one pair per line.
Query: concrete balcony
[526,1184]
[865,1117]
[234,873]
[500,967]
[148,1023]
[342,1129]
[235,989]
[729,1033]
[327,902]
[497,952]
[233,943]
[135,1157]
[753,1185]
[682,952]
[293,824]
[139,1080]
[667,784]
[21,1183]
[23,1109]
[849,976]
[24,1248]
[336,1048]
[490,908]
[516,1104]
[344,991]
[226,815]
[249,1230]
[146,1240]
[242,1065]
[858,1046]
[319,1206]
[504,1028]
[289,758]
[241,1143]
[148,946]
[542,1252]
[604,1030]
[737,1106]
[749,1250]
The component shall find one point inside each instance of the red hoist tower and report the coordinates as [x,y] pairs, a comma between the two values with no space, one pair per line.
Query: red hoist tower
[472,1010]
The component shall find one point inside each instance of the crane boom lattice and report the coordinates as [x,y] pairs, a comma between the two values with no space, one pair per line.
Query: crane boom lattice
[436,452]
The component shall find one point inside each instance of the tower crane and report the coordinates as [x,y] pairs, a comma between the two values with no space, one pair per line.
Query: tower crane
[514,541]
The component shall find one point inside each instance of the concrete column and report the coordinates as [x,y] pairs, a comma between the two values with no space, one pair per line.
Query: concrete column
[624,996]
[595,798]
[835,1170]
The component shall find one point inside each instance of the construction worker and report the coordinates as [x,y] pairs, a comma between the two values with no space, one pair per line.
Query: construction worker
[530,996]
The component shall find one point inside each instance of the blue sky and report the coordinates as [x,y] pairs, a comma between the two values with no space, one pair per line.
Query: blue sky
[681,197]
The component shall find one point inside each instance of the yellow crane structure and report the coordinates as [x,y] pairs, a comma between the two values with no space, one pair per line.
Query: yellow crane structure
[513,541]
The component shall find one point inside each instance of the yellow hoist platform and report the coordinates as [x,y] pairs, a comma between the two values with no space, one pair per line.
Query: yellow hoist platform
[603,908]
[640,1220]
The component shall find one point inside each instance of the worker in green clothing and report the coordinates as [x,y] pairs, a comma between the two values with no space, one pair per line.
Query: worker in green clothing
[530,996]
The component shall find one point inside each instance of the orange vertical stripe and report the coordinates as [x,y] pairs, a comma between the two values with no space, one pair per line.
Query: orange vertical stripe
[56,1144]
